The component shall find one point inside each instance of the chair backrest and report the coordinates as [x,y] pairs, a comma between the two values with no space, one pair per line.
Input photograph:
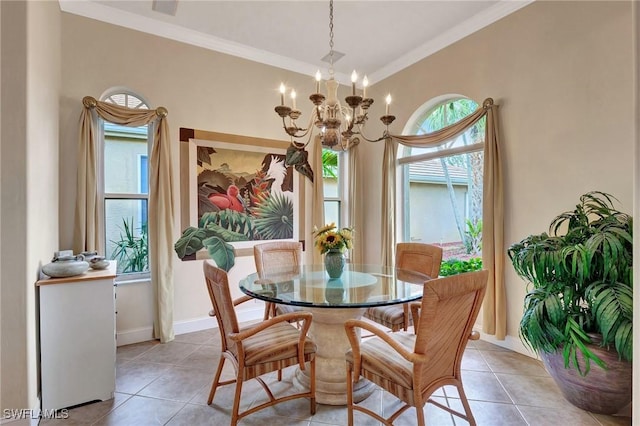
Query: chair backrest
[419,257]
[218,286]
[449,309]
[286,256]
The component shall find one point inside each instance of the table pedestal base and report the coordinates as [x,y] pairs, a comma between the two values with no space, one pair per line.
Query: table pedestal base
[327,331]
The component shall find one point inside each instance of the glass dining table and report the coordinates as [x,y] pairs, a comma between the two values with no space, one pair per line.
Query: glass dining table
[332,302]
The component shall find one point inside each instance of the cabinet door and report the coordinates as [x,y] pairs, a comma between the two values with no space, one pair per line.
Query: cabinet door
[77,338]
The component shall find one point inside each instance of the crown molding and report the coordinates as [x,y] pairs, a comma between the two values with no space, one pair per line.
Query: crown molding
[100,12]
[456,33]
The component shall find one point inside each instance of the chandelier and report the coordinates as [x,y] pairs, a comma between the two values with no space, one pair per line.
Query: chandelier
[339,125]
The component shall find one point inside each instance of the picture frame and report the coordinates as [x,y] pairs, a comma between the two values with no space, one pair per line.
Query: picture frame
[241,183]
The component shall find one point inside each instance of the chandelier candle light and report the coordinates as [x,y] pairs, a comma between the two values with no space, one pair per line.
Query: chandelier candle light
[338,125]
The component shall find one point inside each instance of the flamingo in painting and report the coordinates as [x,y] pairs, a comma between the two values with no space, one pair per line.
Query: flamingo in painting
[230,200]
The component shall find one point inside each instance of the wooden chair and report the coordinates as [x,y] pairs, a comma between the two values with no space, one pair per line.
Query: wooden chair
[414,366]
[286,256]
[258,349]
[416,257]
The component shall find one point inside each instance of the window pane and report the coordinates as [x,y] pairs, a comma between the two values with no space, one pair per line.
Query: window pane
[126,234]
[444,204]
[330,173]
[332,212]
[125,160]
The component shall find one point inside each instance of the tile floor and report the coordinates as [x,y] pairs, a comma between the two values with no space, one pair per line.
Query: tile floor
[168,384]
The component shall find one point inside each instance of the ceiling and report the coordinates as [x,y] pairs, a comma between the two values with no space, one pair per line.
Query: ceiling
[378,38]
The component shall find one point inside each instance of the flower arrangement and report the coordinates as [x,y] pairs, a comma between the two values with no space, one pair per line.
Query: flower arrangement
[329,237]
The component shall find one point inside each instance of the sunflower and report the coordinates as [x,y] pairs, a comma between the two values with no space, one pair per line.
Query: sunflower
[328,238]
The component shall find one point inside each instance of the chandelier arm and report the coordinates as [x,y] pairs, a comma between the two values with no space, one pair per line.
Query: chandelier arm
[385,135]
[318,114]
[294,130]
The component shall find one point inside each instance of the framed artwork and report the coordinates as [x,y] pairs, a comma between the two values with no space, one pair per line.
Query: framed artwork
[236,191]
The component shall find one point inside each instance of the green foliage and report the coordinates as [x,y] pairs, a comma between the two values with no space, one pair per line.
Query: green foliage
[473,237]
[299,158]
[190,242]
[457,266]
[230,224]
[131,251]
[329,164]
[274,217]
[449,113]
[581,281]
[221,252]
[213,239]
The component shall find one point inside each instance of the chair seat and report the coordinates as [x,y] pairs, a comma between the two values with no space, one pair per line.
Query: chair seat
[274,344]
[379,360]
[391,316]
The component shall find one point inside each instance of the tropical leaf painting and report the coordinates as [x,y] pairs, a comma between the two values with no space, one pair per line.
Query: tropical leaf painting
[242,196]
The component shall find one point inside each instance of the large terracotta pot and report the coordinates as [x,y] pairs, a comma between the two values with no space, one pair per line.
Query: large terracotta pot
[600,391]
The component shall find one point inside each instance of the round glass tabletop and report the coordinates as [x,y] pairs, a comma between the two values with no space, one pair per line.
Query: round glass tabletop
[360,286]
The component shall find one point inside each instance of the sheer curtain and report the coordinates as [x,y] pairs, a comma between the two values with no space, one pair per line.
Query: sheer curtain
[161,207]
[317,204]
[494,306]
[354,195]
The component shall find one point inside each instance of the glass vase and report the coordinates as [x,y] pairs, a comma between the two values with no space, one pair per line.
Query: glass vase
[334,263]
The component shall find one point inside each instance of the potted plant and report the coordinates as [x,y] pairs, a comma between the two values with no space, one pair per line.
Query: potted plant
[578,310]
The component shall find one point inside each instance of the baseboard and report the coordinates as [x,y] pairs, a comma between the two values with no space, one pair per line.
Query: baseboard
[128,337]
[509,342]
[136,335]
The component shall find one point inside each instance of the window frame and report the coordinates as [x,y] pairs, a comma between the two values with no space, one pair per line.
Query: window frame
[404,160]
[342,189]
[104,196]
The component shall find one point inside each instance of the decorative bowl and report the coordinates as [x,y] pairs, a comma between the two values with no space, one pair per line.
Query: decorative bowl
[99,262]
[89,255]
[66,266]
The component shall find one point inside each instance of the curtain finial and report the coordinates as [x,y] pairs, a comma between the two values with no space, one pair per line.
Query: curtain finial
[162,112]
[488,103]
[89,102]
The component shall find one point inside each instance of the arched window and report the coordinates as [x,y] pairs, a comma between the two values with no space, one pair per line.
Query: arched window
[123,182]
[441,187]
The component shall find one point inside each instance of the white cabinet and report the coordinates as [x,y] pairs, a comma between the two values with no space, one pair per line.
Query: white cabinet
[77,338]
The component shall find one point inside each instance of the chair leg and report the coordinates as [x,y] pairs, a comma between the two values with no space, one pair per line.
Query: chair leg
[216,380]
[405,316]
[465,404]
[267,310]
[420,414]
[349,395]
[236,400]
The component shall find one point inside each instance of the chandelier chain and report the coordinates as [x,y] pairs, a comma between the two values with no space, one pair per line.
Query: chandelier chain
[331,72]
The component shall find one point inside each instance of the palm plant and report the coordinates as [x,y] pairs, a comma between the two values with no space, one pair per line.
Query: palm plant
[274,217]
[581,282]
[132,251]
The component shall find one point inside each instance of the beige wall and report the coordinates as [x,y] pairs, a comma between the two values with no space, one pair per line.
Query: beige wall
[30,83]
[201,90]
[561,72]
[562,75]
